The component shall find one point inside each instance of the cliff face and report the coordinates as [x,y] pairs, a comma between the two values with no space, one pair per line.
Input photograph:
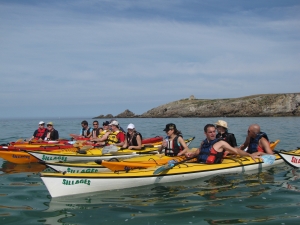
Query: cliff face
[256,105]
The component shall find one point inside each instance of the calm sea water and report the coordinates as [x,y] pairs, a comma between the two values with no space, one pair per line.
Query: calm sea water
[268,197]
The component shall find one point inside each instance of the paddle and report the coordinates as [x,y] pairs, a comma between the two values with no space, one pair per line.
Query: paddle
[268,158]
[109,149]
[170,165]
[83,149]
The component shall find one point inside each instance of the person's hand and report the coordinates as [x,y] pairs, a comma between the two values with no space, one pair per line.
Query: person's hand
[256,155]
[164,144]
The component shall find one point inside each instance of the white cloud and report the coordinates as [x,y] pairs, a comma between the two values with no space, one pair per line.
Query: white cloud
[121,58]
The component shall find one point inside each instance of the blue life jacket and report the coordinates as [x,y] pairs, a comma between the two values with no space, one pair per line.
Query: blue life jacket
[208,154]
[253,145]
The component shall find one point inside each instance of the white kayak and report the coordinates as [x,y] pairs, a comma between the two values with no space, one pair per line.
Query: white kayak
[64,184]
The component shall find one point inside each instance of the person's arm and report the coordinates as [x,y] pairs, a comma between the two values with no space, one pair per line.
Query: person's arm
[125,143]
[226,146]
[246,143]
[190,153]
[183,144]
[91,132]
[266,146]
[103,138]
[139,142]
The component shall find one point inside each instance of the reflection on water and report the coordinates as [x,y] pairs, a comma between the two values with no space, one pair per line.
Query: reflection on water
[9,167]
[222,199]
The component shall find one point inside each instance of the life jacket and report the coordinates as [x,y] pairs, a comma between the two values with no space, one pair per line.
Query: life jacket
[101,134]
[131,141]
[228,137]
[40,133]
[254,143]
[95,132]
[85,133]
[173,147]
[112,138]
[208,154]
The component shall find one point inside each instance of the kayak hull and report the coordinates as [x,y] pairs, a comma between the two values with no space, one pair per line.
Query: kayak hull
[59,184]
[292,158]
[18,157]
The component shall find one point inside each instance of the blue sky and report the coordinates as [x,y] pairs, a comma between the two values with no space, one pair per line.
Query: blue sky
[84,58]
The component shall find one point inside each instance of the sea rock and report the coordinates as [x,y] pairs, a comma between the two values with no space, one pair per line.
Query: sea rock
[250,106]
[126,114]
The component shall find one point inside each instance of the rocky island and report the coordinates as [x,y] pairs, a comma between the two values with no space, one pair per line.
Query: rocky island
[263,105]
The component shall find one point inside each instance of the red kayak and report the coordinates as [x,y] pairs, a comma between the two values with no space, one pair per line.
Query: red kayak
[40,148]
[144,141]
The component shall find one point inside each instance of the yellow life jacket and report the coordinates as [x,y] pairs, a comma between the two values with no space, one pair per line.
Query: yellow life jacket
[101,134]
[112,138]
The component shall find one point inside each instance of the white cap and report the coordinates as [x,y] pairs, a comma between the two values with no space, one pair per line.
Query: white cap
[116,123]
[41,122]
[130,126]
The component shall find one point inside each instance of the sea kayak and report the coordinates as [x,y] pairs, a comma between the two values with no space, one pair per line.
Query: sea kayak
[136,162]
[64,184]
[144,141]
[93,154]
[292,158]
[114,164]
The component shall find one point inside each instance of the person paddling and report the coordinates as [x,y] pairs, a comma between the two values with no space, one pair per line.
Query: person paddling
[212,150]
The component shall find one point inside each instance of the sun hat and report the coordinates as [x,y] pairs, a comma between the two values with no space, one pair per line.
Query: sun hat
[50,123]
[221,123]
[130,126]
[116,123]
[170,126]
[41,122]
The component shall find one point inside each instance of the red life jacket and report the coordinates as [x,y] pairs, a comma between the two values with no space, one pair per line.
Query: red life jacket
[40,133]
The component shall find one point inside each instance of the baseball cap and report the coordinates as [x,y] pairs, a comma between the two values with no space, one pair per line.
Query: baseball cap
[116,123]
[106,123]
[50,123]
[41,122]
[170,126]
[130,126]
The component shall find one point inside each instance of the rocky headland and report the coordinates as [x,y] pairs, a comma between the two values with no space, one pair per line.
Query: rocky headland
[264,105]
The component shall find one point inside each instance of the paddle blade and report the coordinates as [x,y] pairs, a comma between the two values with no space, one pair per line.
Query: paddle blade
[268,159]
[170,165]
[86,147]
[109,149]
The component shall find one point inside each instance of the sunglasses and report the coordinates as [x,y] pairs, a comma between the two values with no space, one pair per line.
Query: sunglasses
[49,125]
